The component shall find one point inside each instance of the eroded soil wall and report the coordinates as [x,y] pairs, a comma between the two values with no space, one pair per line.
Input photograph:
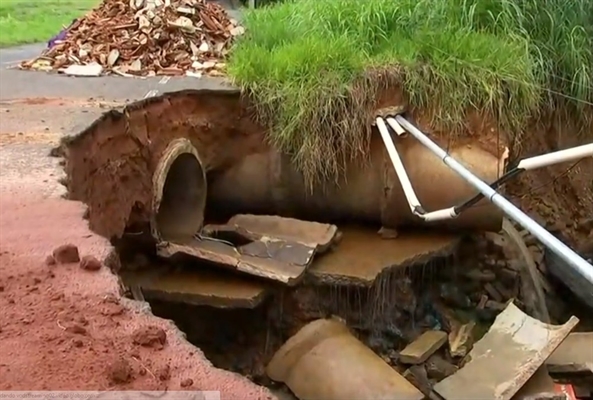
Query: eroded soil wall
[110,165]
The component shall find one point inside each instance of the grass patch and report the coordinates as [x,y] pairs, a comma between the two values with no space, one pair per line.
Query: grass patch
[314,67]
[33,21]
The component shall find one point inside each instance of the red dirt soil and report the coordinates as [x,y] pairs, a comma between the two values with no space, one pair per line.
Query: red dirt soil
[67,328]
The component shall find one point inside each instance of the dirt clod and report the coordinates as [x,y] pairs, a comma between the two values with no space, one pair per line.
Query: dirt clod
[77,329]
[187,383]
[120,371]
[90,263]
[66,254]
[150,336]
[164,373]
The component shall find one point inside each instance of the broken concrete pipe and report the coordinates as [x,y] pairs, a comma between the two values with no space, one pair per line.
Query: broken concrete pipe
[268,183]
[325,361]
[179,193]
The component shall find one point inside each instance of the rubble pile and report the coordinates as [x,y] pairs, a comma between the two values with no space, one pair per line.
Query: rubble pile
[143,38]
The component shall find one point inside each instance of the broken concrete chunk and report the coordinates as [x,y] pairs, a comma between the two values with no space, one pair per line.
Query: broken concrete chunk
[461,339]
[197,286]
[325,361]
[505,358]
[264,259]
[312,234]
[420,349]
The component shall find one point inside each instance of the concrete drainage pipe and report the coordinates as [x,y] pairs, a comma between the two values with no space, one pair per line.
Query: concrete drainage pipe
[268,183]
[325,361]
[179,193]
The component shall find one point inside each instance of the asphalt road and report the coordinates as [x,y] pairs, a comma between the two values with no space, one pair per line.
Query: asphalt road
[16,83]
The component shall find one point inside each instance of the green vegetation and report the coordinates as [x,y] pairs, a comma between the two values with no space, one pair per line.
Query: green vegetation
[30,21]
[314,67]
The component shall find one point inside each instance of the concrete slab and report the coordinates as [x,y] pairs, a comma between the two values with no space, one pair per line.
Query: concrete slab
[312,234]
[197,286]
[505,358]
[362,255]
[280,261]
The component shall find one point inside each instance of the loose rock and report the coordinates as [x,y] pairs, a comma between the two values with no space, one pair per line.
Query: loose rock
[90,263]
[50,260]
[66,254]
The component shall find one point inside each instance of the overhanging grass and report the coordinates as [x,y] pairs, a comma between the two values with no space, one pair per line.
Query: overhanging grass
[315,66]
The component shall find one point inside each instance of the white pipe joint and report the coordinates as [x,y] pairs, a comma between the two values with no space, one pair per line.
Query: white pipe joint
[396,126]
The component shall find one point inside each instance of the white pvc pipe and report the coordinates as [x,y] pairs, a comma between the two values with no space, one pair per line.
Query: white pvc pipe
[557,157]
[439,215]
[396,127]
[399,166]
[563,251]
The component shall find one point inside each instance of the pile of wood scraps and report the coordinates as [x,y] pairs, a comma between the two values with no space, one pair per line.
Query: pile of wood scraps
[144,38]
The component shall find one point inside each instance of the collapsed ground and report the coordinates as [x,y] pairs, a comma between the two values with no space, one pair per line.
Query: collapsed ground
[388,309]
[122,150]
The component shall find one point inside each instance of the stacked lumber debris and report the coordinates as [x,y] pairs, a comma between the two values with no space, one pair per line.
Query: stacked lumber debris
[143,38]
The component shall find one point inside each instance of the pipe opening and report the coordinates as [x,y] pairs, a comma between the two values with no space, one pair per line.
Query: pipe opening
[179,193]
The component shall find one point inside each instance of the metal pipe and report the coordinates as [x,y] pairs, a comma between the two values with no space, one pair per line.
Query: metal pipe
[563,251]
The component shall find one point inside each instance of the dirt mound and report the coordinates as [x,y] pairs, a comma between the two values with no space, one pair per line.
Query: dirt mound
[143,37]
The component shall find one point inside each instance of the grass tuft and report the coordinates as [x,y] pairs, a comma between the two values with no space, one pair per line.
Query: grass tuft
[315,67]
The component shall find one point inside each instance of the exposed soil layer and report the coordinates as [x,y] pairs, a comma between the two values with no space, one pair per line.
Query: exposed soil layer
[561,196]
[110,165]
